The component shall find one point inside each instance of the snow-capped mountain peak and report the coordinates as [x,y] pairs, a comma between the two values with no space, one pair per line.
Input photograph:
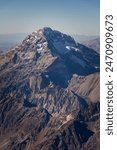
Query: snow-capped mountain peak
[47,45]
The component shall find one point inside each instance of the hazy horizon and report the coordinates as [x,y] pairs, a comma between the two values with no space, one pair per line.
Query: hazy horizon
[71,17]
[52,28]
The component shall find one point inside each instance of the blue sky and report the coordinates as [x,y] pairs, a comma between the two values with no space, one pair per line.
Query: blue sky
[68,16]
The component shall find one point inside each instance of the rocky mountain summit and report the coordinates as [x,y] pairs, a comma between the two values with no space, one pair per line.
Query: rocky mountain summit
[49,94]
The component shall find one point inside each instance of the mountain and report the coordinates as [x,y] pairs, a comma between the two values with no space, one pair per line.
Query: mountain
[82,38]
[4,47]
[49,94]
[8,41]
[94,44]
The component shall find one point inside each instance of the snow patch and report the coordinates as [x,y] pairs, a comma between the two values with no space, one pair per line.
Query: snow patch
[35,37]
[76,49]
[39,49]
[45,43]
[40,45]
[75,75]
[96,67]
[72,48]
[47,76]
[68,47]
[27,40]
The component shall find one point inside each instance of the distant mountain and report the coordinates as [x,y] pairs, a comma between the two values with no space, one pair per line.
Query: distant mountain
[1,52]
[49,94]
[17,37]
[82,38]
[94,44]
[8,41]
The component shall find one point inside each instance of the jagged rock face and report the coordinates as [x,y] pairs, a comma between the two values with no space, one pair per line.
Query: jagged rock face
[49,94]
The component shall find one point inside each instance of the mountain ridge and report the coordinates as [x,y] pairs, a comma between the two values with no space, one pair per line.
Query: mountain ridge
[49,95]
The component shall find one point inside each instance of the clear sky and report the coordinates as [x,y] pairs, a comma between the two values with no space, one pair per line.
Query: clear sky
[68,16]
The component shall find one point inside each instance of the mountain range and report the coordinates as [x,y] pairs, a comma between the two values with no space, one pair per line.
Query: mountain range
[8,41]
[49,94]
[94,44]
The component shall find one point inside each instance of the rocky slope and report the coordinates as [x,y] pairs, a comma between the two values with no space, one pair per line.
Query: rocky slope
[49,94]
